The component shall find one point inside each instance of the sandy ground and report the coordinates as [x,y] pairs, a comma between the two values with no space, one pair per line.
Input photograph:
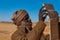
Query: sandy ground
[7,28]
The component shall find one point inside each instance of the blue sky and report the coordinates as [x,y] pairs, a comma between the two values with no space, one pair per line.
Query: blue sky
[8,7]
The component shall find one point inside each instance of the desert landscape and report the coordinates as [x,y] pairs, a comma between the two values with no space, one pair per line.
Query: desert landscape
[7,28]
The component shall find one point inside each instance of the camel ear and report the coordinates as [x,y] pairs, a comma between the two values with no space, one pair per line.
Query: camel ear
[13,18]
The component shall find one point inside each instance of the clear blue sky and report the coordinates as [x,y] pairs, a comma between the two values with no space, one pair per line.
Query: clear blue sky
[8,7]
